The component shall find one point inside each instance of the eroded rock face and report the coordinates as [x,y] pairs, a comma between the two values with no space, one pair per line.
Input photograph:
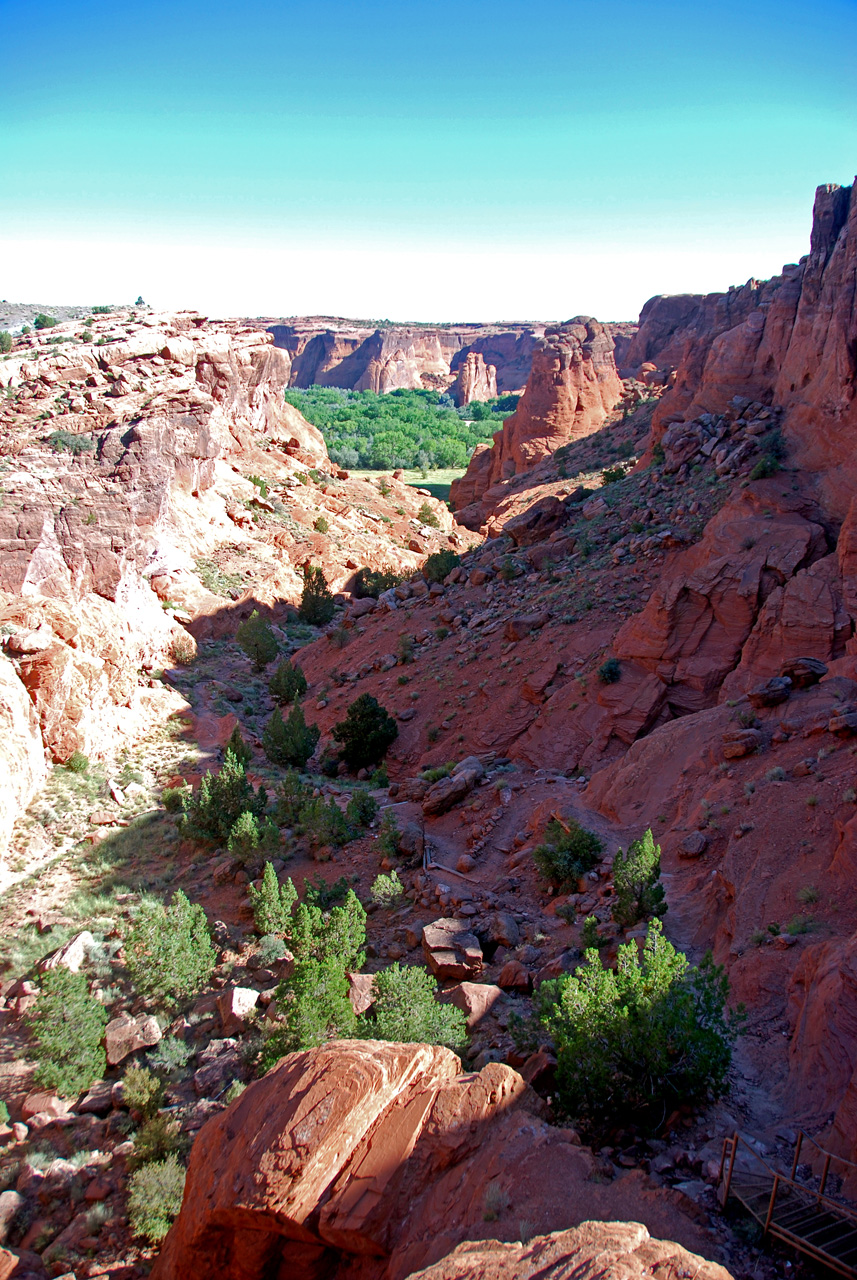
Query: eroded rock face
[22,756]
[789,341]
[572,386]
[476,380]
[364,1159]
[587,1252]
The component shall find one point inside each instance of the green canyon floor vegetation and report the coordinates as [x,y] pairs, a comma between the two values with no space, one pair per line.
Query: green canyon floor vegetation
[420,430]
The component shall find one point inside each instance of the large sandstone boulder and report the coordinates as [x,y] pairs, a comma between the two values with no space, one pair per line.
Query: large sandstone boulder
[592,1251]
[362,1158]
[452,952]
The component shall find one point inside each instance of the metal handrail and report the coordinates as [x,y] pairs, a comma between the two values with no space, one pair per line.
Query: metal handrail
[828,1156]
[730,1152]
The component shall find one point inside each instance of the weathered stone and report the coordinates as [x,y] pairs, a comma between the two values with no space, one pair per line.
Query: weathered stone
[71,955]
[804,672]
[361,991]
[693,845]
[475,999]
[452,951]
[124,1035]
[235,1006]
[514,977]
[771,693]
[740,742]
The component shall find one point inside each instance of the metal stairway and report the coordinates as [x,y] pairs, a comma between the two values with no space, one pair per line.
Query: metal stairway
[808,1220]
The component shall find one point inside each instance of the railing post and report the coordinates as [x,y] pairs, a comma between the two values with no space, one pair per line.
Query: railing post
[732,1157]
[771,1204]
[824,1174]
[797,1154]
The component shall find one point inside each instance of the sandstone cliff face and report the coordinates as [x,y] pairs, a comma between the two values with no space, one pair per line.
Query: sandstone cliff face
[367,1161]
[476,380]
[572,386]
[790,341]
[128,516]
[339,353]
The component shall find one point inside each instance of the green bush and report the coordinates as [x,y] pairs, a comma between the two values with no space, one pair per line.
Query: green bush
[323,823]
[640,1040]
[365,733]
[173,798]
[610,671]
[371,582]
[272,903]
[321,525]
[316,606]
[222,797]
[406,1011]
[249,834]
[155,1197]
[314,1003]
[77,762]
[567,854]
[69,442]
[291,798]
[589,933]
[439,564]
[287,683]
[5,342]
[239,748]
[170,1054]
[142,1091]
[291,741]
[320,893]
[67,1025]
[636,888]
[169,951]
[389,835]
[43,321]
[387,889]
[610,475]
[258,641]
[4,1112]
[361,809]
[425,515]
[157,1137]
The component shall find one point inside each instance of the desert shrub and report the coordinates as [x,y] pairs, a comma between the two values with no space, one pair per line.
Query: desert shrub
[314,1002]
[271,949]
[44,321]
[641,1039]
[405,648]
[387,889]
[772,458]
[610,671]
[318,893]
[371,582]
[439,564]
[69,442]
[636,888]
[361,809]
[321,525]
[170,1054]
[5,342]
[379,778]
[257,639]
[77,762]
[142,1091]
[157,1137]
[182,648]
[173,798]
[292,795]
[239,748]
[323,823]
[425,515]
[67,1024]
[155,1197]
[291,741]
[589,933]
[567,852]
[316,606]
[287,683]
[272,903]
[610,475]
[365,733]
[249,833]
[389,835]
[222,797]
[169,950]
[4,1112]
[261,485]
[406,1011]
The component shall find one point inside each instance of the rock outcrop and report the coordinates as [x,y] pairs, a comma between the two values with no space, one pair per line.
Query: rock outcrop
[572,386]
[587,1252]
[363,1159]
[475,380]
[790,341]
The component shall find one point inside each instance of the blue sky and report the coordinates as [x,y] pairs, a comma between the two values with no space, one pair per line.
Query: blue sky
[423,161]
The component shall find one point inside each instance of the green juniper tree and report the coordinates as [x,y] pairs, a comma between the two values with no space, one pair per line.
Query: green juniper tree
[291,741]
[637,890]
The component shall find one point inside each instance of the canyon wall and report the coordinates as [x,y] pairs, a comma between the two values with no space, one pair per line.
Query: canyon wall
[573,385]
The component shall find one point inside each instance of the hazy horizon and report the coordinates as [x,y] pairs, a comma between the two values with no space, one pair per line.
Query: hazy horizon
[377,162]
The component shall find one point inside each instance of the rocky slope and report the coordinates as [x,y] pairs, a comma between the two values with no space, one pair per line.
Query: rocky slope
[129,516]
[572,387]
